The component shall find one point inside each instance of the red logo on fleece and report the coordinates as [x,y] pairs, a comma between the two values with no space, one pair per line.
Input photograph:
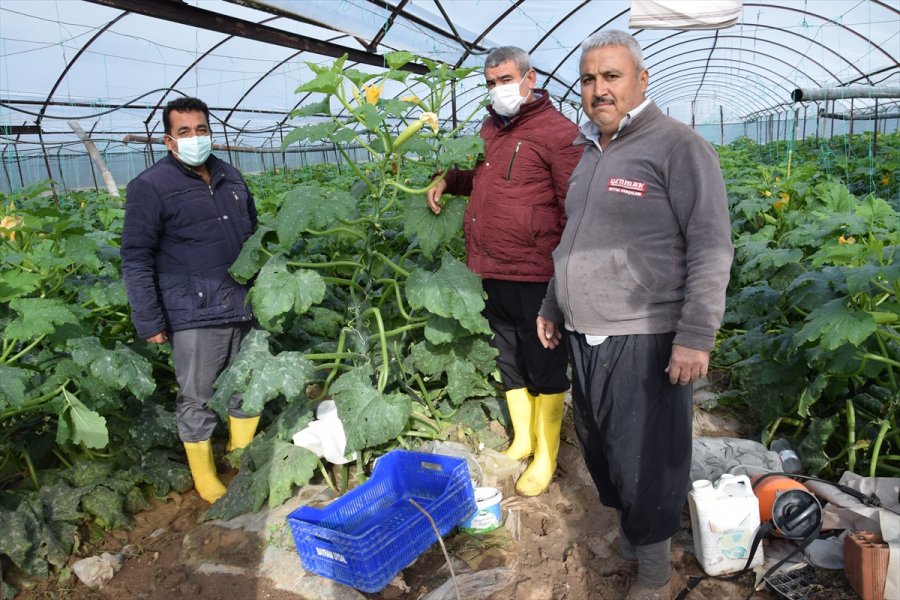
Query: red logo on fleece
[625,186]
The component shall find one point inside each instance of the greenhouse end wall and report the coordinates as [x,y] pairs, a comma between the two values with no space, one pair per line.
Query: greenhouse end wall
[73,170]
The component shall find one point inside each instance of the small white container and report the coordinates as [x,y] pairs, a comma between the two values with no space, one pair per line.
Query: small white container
[487,516]
[724,519]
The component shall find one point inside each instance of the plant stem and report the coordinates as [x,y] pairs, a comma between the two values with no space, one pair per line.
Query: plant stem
[876,446]
[31,405]
[382,342]
[342,281]
[391,263]
[326,477]
[25,350]
[333,230]
[31,471]
[325,265]
[851,435]
[890,369]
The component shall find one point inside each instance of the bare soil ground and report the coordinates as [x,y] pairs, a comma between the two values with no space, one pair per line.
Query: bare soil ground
[560,545]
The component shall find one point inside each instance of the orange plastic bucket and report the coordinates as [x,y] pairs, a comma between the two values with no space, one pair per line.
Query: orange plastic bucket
[791,507]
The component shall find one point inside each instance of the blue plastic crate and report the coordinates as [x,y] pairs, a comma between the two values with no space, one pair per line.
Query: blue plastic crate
[368,535]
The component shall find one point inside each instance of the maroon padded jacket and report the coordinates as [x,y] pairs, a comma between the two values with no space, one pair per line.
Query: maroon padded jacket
[516,210]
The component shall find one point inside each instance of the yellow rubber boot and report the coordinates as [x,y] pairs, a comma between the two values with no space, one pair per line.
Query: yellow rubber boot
[203,470]
[547,423]
[240,432]
[521,413]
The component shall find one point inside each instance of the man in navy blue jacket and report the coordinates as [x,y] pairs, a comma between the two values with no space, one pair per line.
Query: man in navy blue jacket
[186,218]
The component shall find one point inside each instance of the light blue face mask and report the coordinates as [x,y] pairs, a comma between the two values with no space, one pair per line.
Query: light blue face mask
[194,151]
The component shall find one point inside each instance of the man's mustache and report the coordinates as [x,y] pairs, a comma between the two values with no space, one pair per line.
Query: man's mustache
[601,100]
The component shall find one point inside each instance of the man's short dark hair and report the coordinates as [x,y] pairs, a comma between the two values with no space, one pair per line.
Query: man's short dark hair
[183,104]
[503,54]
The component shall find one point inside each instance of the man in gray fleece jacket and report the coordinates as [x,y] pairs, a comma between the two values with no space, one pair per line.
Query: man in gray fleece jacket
[639,286]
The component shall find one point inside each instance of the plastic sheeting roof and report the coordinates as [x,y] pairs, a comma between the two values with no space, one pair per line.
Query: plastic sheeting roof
[63,59]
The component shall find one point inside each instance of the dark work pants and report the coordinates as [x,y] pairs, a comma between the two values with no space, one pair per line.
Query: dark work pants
[200,356]
[635,430]
[511,309]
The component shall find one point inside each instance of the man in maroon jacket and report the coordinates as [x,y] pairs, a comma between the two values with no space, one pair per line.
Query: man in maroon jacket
[512,224]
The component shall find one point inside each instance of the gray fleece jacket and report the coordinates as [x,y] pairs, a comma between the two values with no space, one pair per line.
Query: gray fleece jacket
[647,246]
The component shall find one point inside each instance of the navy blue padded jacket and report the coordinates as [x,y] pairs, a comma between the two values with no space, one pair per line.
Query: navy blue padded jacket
[179,238]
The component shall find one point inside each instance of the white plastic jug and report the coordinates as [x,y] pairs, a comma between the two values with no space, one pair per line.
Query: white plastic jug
[724,518]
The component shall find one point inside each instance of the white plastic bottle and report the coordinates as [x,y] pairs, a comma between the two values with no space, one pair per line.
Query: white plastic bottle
[724,519]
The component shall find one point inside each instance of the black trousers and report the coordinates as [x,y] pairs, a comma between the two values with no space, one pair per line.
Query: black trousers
[511,309]
[635,430]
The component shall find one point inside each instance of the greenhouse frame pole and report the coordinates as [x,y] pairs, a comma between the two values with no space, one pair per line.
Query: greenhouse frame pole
[6,169]
[875,132]
[18,160]
[192,16]
[49,172]
[721,126]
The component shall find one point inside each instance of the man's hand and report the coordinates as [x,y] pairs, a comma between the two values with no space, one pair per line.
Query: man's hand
[548,333]
[434,196]
[159,338]
[686,365]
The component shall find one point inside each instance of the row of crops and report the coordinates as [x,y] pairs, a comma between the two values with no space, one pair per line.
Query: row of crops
[362,295]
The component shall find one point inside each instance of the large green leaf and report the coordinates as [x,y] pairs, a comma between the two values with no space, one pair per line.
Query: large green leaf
[430,229]
[327,79]
[812,448]
[397,59]
[106,507]
[108,293]
[122,368]
[441,330]
[463,151]
[452,291]
[323,107]
[37,317]
[15,283]
[81,250]
[164,474]
[324,322]
[370,418]
[863,278]
[312,133]
[12,386]
[465,364]
[811,394]
[277,468]
[154,427]
[259,376]
[252,256]
[812,288]
[834,324]
[311,207]
[877,211]
[278,291]
[290,466]
[31,538]
[81,425]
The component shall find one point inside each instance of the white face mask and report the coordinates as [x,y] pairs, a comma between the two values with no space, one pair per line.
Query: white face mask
[194,151]
[506,99]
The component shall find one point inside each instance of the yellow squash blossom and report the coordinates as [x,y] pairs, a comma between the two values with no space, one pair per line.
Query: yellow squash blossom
[885,180]
[846,240]
[784,199]
[410,99]
[767,193]
[427,117]
[373,93]
[431,119]
[10,222]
